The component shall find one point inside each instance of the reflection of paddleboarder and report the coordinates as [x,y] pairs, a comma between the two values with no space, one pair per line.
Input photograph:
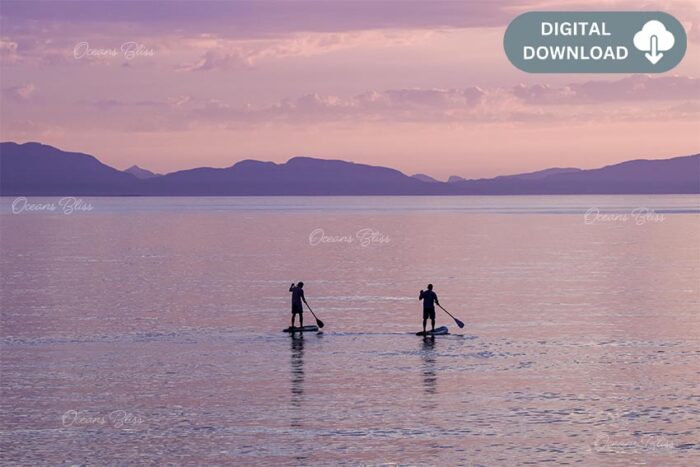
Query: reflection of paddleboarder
[297,365]
[429,371]
[297,307]
[429,300]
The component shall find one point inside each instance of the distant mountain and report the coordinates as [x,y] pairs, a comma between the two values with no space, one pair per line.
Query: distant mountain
[658,176]
[138,172]
[298,176]
[541,174]
[37,169]
[425,178]
[41,170]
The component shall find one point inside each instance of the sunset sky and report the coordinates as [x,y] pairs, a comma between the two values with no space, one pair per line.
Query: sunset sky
[421,86]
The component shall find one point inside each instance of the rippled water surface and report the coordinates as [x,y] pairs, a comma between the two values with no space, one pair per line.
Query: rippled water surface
[148,331]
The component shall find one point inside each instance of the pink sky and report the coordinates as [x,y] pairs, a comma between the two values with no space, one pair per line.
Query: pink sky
[419,86]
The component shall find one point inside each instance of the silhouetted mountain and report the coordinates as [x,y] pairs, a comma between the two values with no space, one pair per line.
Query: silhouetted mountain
[541,174]
[36,169]
[138,172]
[298,176]
[424,178]
[661,176]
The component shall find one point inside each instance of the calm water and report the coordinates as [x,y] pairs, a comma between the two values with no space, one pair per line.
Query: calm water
[148,331]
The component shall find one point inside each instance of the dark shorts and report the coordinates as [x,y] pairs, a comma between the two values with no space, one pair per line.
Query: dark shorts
[297,309]
[429,313]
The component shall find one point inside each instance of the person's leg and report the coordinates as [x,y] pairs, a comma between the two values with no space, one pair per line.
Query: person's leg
[432,319]
[293,316]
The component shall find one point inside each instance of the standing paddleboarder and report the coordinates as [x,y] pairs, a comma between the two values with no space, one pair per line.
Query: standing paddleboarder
[429,300]
[297,307]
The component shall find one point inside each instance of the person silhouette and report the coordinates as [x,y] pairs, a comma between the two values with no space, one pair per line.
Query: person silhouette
[429,298]
[297,297]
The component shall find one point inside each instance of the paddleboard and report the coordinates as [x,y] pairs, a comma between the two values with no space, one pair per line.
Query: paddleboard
[441,331]
[304,329]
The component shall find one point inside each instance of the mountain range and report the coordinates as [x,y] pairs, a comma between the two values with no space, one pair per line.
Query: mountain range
[41,170]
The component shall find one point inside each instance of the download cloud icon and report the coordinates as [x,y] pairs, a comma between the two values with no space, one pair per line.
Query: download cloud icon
[654,38]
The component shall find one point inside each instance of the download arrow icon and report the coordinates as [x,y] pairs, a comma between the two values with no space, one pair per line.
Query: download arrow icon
[655,55]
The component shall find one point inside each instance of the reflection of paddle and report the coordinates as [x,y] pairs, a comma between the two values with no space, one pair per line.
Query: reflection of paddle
[318,321]
[459,323]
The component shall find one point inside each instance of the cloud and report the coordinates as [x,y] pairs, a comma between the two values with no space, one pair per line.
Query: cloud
[252,18]
[395,104]
[31,129]
[219,53]
[634,98]
[215,35]
[273,18]
[34,49]
[218,60]
[173,103]
[19,93]
[643,38]
[619,99]
[8,51]
[473,103]
[633,88]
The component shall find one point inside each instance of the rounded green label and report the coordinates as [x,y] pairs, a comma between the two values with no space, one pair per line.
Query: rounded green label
[595,42]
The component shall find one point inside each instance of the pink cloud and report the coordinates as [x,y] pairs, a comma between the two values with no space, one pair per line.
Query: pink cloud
[19,93]
[8,51]
[520,103]
[218,60]
[219,53]
[632,88]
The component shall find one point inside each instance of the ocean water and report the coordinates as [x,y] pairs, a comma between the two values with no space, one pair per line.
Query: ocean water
[148,330]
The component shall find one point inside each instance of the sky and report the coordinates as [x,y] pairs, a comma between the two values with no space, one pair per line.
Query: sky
[421,86]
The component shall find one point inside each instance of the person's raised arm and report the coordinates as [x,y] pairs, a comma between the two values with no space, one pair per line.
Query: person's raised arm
[420,296]
[291,287]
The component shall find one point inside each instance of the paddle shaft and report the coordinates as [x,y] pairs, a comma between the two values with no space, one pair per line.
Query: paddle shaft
[446,311]
[318,321]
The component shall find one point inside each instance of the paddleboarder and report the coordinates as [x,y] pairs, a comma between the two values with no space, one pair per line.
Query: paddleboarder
[297,297]
[429,298]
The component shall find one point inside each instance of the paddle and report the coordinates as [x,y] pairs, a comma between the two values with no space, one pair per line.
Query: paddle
[318,321]
[459,323]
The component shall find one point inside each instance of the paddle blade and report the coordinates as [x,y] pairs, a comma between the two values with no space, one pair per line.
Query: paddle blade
[459,323]
[320,324]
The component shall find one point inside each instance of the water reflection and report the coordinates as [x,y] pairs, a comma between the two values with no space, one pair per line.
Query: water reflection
[297,367]
[429,372]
